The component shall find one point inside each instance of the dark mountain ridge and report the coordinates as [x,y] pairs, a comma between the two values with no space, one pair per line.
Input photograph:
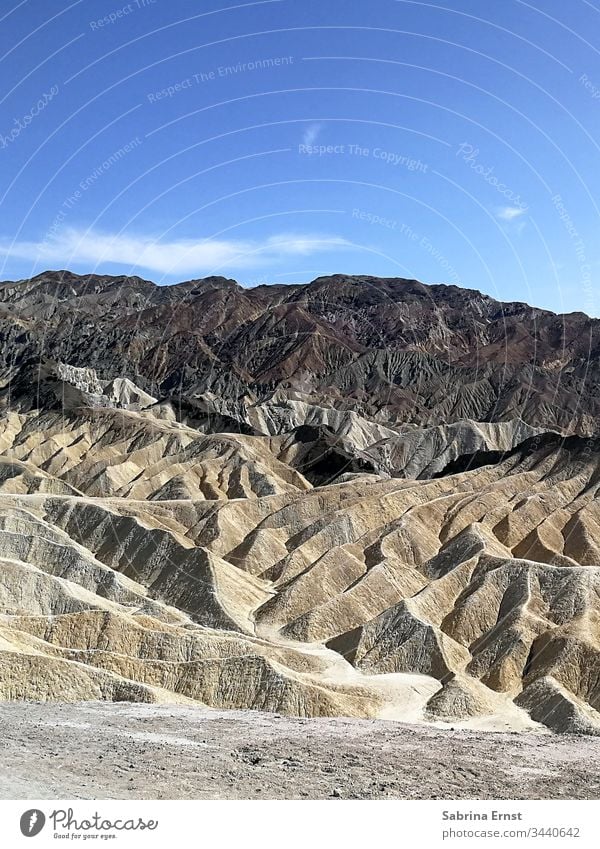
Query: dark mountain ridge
[394,349]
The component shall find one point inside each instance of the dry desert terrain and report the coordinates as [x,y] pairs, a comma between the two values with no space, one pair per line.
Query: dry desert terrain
[99,750]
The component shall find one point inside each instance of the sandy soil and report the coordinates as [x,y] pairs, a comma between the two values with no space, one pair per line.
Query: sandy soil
[100,750]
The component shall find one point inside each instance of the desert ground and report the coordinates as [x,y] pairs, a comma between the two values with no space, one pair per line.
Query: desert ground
[99,750]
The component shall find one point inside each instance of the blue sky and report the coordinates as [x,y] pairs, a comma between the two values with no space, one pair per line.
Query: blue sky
[277,141]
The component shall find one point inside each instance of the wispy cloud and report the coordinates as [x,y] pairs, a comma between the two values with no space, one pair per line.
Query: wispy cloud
[510,213]
[311,133]
[74,246]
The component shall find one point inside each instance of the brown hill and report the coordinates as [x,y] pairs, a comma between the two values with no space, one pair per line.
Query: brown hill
[392,349]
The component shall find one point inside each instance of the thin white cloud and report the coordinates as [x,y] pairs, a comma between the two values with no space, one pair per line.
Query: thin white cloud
[520,226]
[509,213]
[311,133]
[178,256]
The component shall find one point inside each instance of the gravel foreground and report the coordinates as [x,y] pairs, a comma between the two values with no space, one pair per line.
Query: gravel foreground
[137,751]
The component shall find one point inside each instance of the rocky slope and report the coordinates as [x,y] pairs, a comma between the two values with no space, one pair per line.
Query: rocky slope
[349,498]
[391,349]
